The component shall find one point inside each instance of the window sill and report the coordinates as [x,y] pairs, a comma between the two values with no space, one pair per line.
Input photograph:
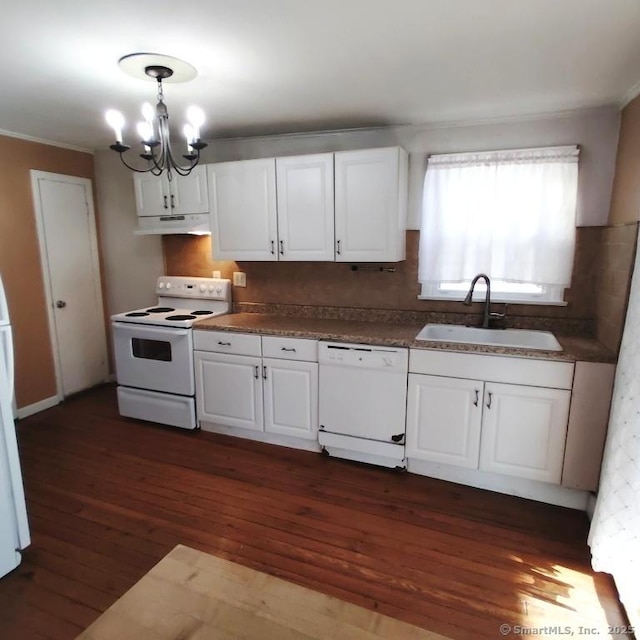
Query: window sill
[532,301]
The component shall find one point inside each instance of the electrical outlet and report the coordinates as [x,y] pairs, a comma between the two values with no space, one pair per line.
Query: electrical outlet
[239,279]
[217,274]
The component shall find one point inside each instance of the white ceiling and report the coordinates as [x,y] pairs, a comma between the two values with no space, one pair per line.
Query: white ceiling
[275,66]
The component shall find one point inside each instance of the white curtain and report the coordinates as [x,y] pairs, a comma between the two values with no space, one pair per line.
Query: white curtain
[510,214]
[615,530]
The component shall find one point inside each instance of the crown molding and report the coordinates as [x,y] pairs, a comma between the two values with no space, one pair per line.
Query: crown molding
[631,95]
[50,143]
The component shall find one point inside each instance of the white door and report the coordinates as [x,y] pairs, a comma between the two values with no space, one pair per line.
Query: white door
[229,389]
[243,209]
[369,205]
[524,430]
[290,398]
[444,417]
[69,254]
[305,207]
[189,194]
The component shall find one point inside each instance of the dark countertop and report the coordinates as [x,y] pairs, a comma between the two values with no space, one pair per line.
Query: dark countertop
[391,334]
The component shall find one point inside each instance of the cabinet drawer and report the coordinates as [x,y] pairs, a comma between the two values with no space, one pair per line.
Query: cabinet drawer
[527,371]
[242,344]
[290,348]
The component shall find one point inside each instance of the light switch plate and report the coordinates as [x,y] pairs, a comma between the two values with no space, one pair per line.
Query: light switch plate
[239,279]
[217,274]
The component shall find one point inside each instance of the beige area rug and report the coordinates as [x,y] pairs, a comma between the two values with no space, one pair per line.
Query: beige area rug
[195,596]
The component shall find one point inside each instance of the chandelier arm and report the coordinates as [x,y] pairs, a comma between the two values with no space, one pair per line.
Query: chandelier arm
[150,169]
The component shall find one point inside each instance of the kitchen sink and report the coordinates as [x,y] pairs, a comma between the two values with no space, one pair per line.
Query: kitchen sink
[517,338]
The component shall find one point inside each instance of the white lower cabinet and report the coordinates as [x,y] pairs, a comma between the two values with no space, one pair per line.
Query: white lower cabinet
[524,431]
[493,426]
[229,389]
[239,389]
[290,391]
[443,419]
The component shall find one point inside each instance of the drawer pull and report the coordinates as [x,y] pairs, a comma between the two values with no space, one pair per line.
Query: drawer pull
[290,349]
[475,402]
[224,344]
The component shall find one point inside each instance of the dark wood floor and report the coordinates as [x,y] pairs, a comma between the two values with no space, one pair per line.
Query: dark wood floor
[109,497]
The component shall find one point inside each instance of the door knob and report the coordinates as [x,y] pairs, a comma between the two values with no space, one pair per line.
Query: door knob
[61,304]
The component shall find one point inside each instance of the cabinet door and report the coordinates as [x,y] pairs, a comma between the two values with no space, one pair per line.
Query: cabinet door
[242,197]
[152,195]
[291,398]
[370,205]
[523,431]
[305,207]
[188,194]
[443,420]
[229,390]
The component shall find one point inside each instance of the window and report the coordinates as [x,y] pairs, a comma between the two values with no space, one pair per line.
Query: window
[509,214]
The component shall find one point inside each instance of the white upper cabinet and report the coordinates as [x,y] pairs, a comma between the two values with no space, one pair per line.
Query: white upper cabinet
[178,205]
[243,209]
[159,196]
[305,207]
[371,205]
[348,206]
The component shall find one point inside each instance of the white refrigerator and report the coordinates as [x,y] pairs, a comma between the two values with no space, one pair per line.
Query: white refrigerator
[14,527]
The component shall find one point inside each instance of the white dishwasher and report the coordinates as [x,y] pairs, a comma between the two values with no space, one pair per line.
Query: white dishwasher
[363,402]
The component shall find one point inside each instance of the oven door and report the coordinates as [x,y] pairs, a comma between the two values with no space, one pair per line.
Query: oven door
[155,358]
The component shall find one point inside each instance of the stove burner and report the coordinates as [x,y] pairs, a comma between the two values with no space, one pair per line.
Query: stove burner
[160,310]
[201,313]
[136,314]
[180,317]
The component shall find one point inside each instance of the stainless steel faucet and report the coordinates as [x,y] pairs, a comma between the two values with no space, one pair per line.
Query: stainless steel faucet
[486,314]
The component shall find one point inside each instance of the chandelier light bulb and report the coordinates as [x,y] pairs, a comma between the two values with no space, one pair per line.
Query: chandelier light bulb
[145,131]
[187,130]
[195,116]
[148,112]
[116,121]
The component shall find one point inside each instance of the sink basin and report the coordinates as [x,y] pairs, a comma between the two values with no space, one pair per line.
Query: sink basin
[517,338]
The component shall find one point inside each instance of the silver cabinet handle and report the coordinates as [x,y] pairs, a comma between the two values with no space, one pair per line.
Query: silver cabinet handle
[224,344]
[273,249]
[281,247]
[264,372]
[338,247]
[256,375]
[61,304]
[475,402]
[166,206]
[489,394]
[292,349]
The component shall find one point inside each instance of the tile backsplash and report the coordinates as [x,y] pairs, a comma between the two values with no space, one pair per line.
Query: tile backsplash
[603,259]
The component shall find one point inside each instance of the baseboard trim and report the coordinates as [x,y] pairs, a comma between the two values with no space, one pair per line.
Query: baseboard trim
[531,489]
[36,407]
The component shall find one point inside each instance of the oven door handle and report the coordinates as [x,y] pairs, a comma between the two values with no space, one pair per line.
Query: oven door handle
[146,331]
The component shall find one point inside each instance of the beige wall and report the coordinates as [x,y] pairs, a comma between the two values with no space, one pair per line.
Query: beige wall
[20,258]
[625,199]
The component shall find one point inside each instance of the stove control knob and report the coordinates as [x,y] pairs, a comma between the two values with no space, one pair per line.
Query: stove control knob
[211,288]
[218,290]
[203,287]
[161,285]
[168,285]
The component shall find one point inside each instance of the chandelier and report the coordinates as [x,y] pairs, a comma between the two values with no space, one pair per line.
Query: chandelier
[153,130]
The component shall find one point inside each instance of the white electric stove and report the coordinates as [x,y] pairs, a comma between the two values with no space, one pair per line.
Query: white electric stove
[153,349]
